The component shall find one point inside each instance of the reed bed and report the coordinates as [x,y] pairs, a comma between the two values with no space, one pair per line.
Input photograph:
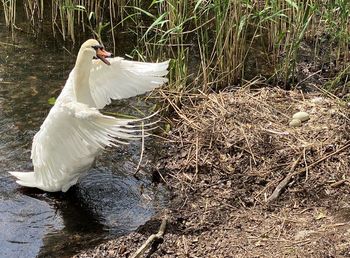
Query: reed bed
[213,43]
[9,10]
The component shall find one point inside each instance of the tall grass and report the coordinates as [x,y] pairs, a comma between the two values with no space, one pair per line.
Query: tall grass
[229,41]
[213,43]
[205,39]
[288,22]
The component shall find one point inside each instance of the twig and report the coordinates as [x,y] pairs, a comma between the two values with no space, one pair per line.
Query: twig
[291,174]
[142,148]
[347,145]
[151,239]
[248,144]
[331,95]
[308,77]
[338,183]
[70,53]
[9,44]
[306,166]
[197,151]
[284,182]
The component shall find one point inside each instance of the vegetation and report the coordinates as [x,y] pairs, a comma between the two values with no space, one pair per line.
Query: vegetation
[213,43]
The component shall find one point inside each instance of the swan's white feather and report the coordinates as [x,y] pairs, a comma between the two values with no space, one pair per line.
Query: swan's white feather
[124,79]
[75,132]
[68,142]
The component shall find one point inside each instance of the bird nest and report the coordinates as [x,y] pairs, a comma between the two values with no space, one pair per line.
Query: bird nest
[244,138]
[245,182]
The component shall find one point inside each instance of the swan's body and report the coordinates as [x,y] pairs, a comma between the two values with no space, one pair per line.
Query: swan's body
[74,132]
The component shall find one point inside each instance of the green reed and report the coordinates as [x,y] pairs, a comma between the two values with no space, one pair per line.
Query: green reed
[212,43]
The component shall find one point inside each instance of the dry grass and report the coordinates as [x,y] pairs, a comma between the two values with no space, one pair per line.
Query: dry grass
[227,154]
[247,132]
[232,150]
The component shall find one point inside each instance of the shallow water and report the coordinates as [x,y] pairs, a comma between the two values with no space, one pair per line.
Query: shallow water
[108,202]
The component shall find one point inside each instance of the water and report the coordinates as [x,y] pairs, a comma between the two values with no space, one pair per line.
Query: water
[108,202]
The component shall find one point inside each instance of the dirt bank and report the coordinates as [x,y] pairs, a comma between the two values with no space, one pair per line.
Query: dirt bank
[246,184]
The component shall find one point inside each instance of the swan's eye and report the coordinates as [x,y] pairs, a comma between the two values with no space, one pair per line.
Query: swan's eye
[97,47]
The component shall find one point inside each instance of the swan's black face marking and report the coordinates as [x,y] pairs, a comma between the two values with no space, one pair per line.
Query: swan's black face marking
[102,54]
[97,47]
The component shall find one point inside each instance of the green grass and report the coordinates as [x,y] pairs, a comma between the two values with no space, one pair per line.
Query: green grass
[212,43]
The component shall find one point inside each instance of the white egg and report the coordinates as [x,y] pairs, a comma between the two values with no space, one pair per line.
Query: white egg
[302,116]
[295,122]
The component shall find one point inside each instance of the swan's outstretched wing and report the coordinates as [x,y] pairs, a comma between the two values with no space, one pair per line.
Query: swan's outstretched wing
[68,142]
[124,79]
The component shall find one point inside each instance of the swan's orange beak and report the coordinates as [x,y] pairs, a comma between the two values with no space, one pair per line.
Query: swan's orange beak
[103,54]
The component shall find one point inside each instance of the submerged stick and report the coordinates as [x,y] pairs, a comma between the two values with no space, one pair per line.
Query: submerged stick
[151,239]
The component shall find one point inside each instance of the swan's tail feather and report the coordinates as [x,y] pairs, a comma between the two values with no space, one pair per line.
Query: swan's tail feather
[25,178]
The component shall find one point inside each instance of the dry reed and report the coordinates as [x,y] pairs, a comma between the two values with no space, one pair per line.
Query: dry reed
[245,135]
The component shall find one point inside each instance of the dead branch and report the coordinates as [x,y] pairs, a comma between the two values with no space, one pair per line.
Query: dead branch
[291,174]
[276,193]
[151,239]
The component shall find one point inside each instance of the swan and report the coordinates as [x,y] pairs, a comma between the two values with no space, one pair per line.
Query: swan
[75,132]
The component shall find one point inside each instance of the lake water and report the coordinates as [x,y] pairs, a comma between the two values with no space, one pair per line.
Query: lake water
[106,203]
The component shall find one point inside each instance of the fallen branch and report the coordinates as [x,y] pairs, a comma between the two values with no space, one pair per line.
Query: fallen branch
[276,193]
[151,239]
[293,173]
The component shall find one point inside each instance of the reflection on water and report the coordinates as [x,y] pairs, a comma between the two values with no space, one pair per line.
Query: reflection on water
[107,202]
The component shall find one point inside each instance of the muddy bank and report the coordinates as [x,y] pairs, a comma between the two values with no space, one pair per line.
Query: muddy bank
[228,154]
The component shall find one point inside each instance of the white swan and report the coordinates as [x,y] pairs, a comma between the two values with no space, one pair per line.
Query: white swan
[74,132]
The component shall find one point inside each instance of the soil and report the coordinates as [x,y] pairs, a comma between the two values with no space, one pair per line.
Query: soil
[227,154]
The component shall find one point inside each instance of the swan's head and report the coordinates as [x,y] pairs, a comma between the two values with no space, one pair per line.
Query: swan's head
[93,47]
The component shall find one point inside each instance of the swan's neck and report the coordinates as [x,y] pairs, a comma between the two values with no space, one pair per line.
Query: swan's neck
[81,78]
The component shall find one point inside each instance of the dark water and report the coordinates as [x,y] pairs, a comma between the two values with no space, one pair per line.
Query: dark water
[108,202]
